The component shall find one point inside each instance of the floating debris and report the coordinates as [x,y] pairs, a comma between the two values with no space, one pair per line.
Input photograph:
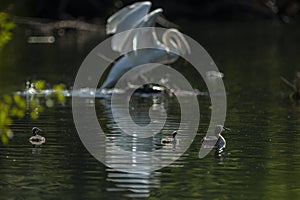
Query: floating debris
[41,39]
[214,74]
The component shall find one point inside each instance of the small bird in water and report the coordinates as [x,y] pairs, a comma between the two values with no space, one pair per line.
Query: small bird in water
[36,139]
[169,139]
[221,142]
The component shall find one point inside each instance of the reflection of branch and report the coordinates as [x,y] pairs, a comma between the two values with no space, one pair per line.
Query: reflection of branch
[288,83]
[76,24]
[61,24]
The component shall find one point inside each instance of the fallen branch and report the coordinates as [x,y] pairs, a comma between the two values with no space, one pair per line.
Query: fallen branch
[47,25]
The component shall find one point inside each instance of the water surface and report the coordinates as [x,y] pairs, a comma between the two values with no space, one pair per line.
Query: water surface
[261,161]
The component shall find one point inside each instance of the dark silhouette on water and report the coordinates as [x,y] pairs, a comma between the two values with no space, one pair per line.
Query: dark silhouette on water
[221,142]
[169,139]
[36,139]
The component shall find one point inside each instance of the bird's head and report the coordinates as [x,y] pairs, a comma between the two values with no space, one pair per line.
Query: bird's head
[219,129]
[176,42]
[35,130]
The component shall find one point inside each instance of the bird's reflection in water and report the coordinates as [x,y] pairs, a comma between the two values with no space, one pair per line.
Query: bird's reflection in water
[138,185]
[133,153]
[36,149]
[140,115]
[133,161]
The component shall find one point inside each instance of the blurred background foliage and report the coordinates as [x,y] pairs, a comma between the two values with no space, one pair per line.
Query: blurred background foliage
[42,15]
[6,27]
[191,9]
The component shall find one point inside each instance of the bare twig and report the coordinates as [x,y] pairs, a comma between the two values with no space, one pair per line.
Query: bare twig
[288,83]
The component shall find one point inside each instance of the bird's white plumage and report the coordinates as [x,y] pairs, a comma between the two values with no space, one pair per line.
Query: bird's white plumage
[136,17]
[127,17]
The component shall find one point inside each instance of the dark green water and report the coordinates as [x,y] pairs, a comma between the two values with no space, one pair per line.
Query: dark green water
[262,159]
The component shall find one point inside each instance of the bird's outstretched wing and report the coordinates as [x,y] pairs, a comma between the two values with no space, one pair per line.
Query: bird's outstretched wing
[127,17]
[145,38]
[133,17]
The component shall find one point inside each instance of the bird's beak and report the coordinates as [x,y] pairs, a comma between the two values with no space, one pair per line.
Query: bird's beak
[226,129]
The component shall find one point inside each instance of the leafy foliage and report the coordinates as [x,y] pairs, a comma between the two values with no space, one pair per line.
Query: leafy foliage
[16,106]
[5,29]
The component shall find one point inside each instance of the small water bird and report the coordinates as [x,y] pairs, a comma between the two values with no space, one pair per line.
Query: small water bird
[169,139]
[134,45]
[36,139]
[221,142]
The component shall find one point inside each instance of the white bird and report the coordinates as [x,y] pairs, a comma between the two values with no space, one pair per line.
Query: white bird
[136,16]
